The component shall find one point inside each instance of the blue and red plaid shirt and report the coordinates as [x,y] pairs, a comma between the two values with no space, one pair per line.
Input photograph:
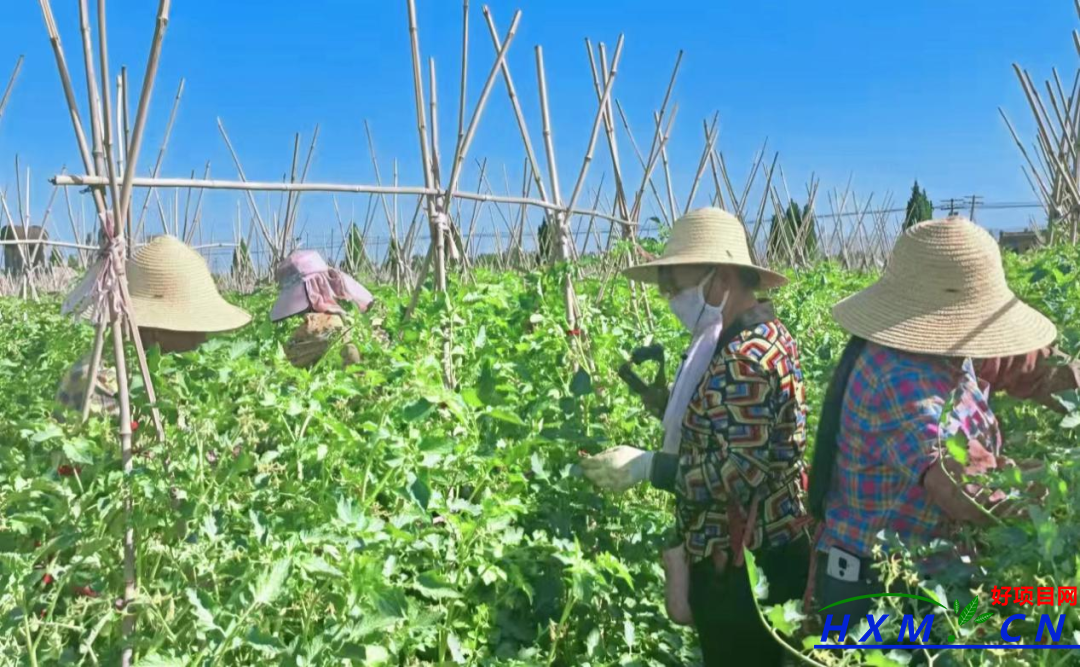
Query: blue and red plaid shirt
[891,432]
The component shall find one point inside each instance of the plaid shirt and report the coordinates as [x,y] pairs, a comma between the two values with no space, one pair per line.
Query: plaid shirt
[73,388]
[891,432]
[744,436]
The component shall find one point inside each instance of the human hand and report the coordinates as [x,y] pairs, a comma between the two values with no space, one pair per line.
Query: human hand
[619,468]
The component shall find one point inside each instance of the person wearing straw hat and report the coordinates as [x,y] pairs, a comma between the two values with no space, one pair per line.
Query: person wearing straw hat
[175,304]
[940,314]
[311,288]
[734,438]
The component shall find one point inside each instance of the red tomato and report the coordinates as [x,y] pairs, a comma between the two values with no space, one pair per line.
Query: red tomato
[47,579]
[85,591]
[134,426]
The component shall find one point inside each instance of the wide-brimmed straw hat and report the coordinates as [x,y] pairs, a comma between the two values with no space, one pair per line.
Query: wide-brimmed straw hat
[308,283]
[171,288]
[944,293]
[705,236]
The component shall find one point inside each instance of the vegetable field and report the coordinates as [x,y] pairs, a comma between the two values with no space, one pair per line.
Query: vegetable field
[371,516]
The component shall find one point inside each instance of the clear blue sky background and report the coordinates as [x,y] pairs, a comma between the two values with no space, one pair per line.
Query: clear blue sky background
[887,92]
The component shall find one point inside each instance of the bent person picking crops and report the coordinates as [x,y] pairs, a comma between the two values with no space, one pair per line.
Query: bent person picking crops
[907,434]
[311,288]
[734,439]
[175,305]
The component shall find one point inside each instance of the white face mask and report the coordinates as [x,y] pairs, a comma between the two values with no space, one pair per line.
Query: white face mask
[691,308]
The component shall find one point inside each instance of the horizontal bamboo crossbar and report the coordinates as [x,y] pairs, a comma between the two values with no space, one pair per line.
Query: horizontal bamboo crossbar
[71,180]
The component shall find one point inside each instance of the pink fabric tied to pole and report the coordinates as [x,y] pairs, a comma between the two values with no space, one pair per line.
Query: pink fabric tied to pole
[307,283]
[101,292]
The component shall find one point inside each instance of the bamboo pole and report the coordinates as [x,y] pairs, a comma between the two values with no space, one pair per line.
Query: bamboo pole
[549,147]
[710,138]
[73,180]
[463,147]
[10,86]
[246,187]
[161,154]
[141,112]
[596,124]
[69,97]
[515,103]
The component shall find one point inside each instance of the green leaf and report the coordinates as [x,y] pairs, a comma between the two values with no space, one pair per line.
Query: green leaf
[202,614]
[481,337]
[418,410]
[592,641]
[80,450]
[158,660]
[420,492]
[581,384]
[432,586]
[985,617]
[956,606]
[505,416]
[1071,421]
[316,565]
[969,611]
[271,583]
[957,449]
[49,432]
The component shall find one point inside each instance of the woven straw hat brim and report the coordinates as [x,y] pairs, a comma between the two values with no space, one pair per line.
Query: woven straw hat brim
[210,317]
[944,293]
[171,288]
[710,236]
[649,272]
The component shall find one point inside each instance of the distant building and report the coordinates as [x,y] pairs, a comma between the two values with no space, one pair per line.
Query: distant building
[1020,242]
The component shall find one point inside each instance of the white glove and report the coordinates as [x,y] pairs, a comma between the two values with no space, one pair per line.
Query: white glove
[619,468]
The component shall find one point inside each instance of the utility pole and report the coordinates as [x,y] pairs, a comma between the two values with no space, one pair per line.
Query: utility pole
[952,205]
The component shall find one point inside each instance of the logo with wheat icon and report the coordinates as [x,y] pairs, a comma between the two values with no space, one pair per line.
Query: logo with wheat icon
[968,615]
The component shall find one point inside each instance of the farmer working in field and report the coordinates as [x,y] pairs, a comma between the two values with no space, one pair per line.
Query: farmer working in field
[734,438]
[175,304]
[940,328]
[311,288]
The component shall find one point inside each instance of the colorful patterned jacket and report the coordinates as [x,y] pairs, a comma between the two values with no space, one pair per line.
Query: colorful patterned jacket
[744,437]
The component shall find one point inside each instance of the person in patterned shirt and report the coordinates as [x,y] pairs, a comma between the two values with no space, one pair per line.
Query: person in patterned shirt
[311,288]
[930,341]
[175,305]
[734,439]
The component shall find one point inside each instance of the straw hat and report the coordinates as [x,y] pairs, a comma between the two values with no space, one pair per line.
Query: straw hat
[944,293]
[171,288]
[705,236]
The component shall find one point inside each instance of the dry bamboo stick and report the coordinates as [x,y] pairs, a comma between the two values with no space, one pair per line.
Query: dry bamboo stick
[198,207]
[645,168]
[10,86]
[596,124]
[72,180]
[161,153]
[247,187]
[599,82]
[464,69]
[710,138]
[144,99]
[515,103]
[549,146]
[463,147]
[69,96]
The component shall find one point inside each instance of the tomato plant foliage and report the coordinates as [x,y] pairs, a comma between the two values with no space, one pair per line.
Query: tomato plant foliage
[372,516]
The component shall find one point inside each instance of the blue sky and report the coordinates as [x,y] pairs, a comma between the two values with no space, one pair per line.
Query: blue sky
[886,92]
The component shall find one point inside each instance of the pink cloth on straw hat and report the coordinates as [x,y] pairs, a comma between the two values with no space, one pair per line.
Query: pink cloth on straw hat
[307,283]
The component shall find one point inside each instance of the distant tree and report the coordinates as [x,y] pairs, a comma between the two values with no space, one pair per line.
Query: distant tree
[794,238]
[241,261]
[919,208]
[547,239]
[354,250]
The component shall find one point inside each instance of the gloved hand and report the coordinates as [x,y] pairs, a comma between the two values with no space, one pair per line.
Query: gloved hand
[619,468]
